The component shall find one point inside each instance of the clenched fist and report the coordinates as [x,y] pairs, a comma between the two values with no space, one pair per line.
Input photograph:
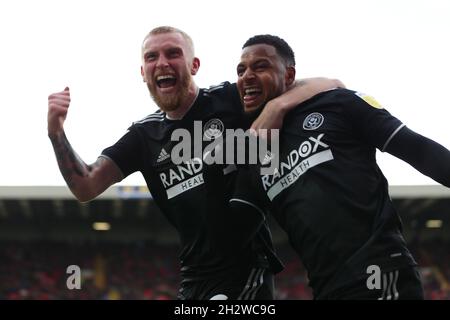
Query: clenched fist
[58,104]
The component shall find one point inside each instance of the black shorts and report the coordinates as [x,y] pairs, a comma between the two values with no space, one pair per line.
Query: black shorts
[255,284]
[402,284]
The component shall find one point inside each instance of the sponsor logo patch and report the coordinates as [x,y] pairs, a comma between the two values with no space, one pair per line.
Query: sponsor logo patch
[310,153]
[370,100]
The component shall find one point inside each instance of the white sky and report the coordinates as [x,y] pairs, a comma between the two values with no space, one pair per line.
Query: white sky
[396,50]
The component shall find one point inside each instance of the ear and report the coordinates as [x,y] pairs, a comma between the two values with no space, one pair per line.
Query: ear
[195,66]
[142,74]
[289,77]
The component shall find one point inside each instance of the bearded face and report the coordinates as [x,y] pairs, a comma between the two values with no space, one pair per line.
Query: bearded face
[168,90]
[167,69]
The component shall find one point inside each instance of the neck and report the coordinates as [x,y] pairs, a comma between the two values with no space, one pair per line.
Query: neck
[185,105]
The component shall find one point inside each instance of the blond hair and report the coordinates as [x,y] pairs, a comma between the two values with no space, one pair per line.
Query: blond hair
[169,29]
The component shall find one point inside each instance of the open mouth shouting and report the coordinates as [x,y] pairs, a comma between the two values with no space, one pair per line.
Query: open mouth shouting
[251,97]
[166,82]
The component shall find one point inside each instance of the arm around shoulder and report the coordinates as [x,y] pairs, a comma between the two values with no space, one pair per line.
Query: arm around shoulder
[275,110]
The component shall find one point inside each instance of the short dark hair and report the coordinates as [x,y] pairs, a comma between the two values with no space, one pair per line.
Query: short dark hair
[282,47]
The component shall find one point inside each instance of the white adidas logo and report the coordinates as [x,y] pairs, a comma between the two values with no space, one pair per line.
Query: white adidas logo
[163,155]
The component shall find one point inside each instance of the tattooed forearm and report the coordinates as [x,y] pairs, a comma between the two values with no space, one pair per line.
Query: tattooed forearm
[70,164]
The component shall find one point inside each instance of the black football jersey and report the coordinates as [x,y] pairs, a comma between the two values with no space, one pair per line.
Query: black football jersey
[179,189]
[328,192]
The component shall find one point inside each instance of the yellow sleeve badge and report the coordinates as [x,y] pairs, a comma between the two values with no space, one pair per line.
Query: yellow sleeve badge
[370,100]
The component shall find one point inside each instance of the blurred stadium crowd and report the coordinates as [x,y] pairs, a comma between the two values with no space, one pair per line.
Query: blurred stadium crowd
[37,271]
[43,231]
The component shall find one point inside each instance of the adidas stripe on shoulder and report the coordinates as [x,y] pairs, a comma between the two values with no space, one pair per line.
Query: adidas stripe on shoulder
[216,87]
[157,116]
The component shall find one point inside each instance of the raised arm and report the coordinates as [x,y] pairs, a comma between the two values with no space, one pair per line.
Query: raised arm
[273,114]
[85,181]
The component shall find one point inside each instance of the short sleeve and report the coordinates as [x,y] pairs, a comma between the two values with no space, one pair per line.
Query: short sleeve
[126,152]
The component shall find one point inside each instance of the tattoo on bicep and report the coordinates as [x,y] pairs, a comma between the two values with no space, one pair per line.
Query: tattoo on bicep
[69,162]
